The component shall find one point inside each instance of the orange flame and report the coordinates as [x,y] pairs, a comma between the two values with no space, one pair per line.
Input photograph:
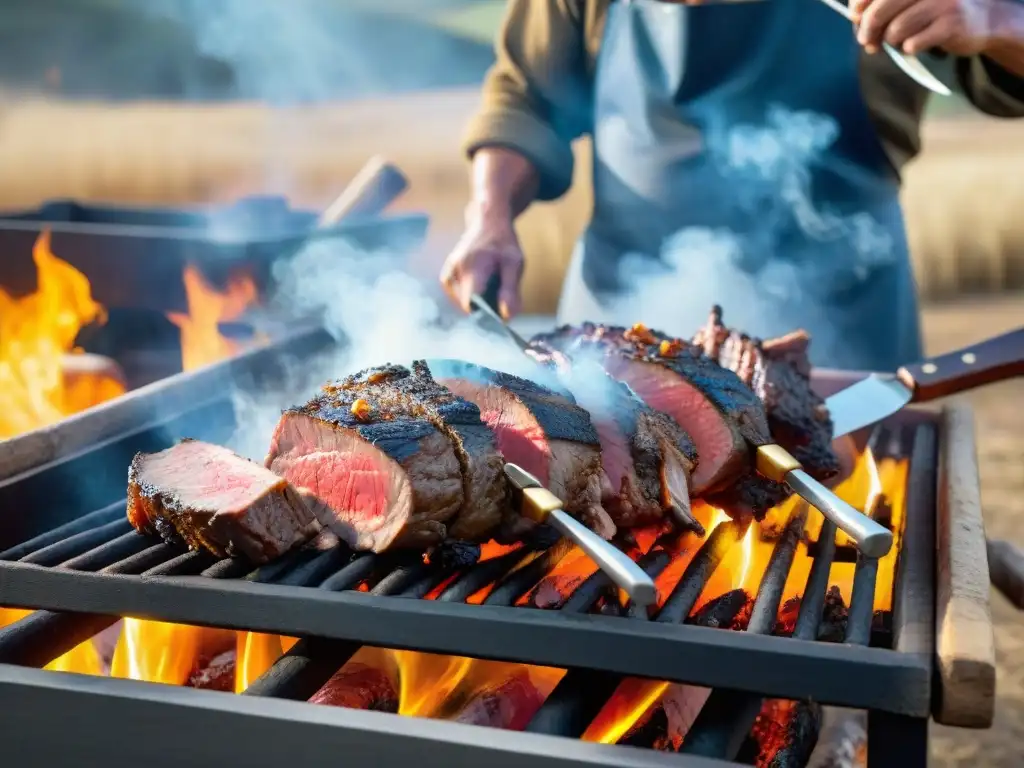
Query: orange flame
[36,333]
[83,658]
[202,343]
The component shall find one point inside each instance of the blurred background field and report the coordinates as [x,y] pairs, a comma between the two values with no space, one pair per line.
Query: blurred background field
[172,102]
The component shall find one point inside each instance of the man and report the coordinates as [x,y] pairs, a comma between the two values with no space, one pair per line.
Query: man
[816,241]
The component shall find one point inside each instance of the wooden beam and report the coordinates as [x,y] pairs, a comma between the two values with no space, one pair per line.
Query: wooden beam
[965,647]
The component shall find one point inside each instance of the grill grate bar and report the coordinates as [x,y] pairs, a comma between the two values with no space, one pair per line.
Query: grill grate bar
[114,551]
[303,670]
[145,561]
[581,694]
[78,544]
[187,564]
[727,716]
[526,574]
[684,597]
[82,524]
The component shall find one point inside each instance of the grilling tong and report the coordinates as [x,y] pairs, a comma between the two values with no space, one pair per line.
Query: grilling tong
[777,464]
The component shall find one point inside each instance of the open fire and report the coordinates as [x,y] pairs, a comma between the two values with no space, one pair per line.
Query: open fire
[37,334]
[506,695]
[45,376]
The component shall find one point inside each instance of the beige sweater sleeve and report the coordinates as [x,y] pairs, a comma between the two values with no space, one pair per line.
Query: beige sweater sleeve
[536,96]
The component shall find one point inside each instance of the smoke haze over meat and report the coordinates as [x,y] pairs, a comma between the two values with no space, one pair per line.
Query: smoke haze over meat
[769,169]
[380,314]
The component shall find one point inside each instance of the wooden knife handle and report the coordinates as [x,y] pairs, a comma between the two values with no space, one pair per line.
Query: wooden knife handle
[987,362]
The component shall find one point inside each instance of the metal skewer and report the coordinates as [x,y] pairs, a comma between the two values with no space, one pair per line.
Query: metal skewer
[542,506]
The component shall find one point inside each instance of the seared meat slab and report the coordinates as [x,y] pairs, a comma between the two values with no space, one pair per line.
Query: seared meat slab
[646,455]
[544,432]
[416,393]
[779,372]
[215,500]
[380,476]
[712,404]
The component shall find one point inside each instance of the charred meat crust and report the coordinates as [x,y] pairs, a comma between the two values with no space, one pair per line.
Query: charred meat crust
[779,373]
[267,525]
[556,411]
[571,441]
[415,392]
[740,490]
[422,453]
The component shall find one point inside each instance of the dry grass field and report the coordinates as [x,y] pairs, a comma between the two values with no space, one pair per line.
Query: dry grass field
[964,200]
[963,196]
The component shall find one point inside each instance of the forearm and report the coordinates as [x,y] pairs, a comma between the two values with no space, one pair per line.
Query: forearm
[504,183]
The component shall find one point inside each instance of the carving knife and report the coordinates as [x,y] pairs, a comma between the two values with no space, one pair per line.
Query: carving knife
[777,464]
[911,65]
[880,395]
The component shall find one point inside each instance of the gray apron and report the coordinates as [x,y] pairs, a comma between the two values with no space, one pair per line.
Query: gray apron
[735,164]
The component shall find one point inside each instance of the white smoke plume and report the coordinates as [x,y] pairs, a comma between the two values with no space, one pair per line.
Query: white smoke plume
[769,168]
[379,313]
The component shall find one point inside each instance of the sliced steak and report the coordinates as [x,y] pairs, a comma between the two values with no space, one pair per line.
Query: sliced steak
[712,404]
[779,372]
[381,477]
[646,455]
[543,431]
[416,393]
[213,499]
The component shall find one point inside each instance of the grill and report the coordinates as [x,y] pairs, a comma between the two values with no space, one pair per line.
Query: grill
[69,551]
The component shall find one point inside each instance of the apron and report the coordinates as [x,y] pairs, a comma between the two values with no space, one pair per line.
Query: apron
[735,163]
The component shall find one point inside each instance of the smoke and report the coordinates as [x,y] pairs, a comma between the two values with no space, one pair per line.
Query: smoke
[762,275]
[379,314]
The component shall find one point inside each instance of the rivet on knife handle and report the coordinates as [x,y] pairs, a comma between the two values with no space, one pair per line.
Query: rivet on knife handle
[542,506]
[992,360]
[872,539]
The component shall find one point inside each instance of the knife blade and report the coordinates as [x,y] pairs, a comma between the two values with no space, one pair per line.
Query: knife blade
[542,506]
[911,65]
[879,396]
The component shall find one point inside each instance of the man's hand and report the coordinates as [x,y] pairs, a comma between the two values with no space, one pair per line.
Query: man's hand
[488,247]
[960,27]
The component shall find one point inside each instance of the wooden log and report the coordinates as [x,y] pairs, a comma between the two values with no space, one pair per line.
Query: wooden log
[965,647]
[359,686]
[1006,570]
[509,704]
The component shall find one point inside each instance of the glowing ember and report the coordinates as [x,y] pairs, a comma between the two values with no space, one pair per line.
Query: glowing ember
[202,343]
[36,333]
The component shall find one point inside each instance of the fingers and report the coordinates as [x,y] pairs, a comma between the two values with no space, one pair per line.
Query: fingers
[934,35]
[510,271]
[913,21]
[875,19]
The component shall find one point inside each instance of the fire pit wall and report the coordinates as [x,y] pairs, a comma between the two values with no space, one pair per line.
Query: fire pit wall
[76,553]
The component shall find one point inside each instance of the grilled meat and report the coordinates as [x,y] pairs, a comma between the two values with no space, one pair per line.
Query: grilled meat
[712,404]
[215,500]
[646,455]
[380,475]
[543,431]
[416,393]
[779,372]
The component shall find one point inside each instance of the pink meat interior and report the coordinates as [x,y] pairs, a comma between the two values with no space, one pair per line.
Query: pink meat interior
[666,391]
[521,440]
[358,484]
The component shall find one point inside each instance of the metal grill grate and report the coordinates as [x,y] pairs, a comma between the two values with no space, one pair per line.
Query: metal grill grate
[98,565]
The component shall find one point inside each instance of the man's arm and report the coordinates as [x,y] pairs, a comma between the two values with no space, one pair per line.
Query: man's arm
[535,102]
[994,80]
